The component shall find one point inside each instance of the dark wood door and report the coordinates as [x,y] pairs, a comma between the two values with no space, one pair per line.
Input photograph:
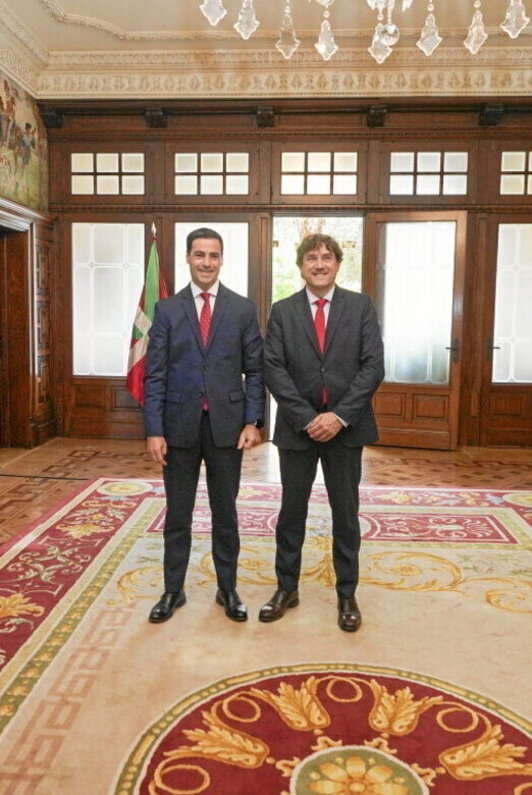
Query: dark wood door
[506,386]
[414,268]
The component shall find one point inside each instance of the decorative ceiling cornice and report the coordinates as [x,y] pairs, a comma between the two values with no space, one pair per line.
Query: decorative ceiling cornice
[19,31]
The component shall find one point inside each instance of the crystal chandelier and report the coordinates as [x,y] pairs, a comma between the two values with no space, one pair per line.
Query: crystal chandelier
[386,33]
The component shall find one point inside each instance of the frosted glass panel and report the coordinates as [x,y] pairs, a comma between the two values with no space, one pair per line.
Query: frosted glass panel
[428,161]
[416,270]
[319,161]
[428,185]
[107,162]
[402,161]
[345,161]
[513,161]
[455,161]
[237,184]
[512,329]
[512,184]
[82,184]
[345,184]
[82,161]
[212,162]
[133,161]
[293,161]
[292,183]
[401,184]
[318,183]
[107,276]
[234,271]
[237,161]
[107,185]
[186,162]
[132,185]
[454,184]
[212,185]
[186,186]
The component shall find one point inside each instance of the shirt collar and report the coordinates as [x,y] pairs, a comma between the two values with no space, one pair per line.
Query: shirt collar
[212,290]
[312,298]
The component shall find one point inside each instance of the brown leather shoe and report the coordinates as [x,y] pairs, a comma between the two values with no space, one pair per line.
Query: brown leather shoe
[234,609]
[349,618]
[278,604]
[167,604]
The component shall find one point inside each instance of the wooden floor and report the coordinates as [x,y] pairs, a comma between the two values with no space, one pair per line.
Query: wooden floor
[33,481]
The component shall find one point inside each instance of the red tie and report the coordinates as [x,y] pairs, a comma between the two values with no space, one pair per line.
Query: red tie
[319,322]
[205,318]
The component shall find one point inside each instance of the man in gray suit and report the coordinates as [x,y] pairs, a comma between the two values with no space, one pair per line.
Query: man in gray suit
[323,361]
[204,400]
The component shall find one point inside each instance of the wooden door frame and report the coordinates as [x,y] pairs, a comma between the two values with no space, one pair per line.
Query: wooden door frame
[423,437]
[515,400]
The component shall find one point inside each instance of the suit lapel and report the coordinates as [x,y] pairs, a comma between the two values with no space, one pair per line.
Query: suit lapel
[336,311]
[220,306]
[304,313]
[189,307]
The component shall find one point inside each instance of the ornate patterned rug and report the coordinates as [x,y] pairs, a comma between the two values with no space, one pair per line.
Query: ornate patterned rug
[430,696]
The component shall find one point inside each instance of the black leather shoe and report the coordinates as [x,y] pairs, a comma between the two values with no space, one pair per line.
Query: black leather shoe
[167,604]
[278,604]
[349,618]
[234,609]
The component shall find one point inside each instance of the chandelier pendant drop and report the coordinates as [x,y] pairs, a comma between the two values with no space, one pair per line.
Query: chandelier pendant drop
[430,37]
[247,23]
[213,10]
[516,19]
[477,31]
[386,34]
[287,43]
[326,45]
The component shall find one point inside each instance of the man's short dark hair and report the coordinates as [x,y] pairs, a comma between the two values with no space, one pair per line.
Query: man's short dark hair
[205,233]
[312,241]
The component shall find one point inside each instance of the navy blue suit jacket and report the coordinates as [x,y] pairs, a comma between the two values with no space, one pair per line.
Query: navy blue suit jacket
[179,370]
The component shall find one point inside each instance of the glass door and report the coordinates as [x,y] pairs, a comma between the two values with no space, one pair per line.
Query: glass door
[415,263]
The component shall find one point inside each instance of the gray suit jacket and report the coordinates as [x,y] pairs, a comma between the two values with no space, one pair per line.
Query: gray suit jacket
[351,367]
[179,370]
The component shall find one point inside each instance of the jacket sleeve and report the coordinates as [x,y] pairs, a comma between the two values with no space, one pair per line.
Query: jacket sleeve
[357,397]
[156,373]
[297,410]
[253,369]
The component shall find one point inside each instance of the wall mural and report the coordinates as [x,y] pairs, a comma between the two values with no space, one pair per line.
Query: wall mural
[23,148]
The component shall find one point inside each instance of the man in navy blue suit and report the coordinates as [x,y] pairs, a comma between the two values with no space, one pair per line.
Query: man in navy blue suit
[204,400]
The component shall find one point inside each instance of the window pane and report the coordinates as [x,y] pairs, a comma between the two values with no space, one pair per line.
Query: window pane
[512,184]
[401,184]
[237,161]
[237,185]
[402,161]
[133,161]
[132,184]
[455,161]
[108,356]
[186,186]
[512,328]
[292,184]
[416,297]
[106,162]
[211,185]
[513,161]
[318,184]
[212,162]
[81,161]
[107,185]
[455,184]
[345,184]
[82,184]
[109,244]
[108,292]
[186,162]
[345,161]
[427,185]
[81,238]
[428,161]
[319,161]
[293,161]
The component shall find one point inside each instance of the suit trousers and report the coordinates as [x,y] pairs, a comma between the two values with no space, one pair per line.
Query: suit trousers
[341,470]
[181,475]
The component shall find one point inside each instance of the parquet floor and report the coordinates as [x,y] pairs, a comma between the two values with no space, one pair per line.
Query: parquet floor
[33,481]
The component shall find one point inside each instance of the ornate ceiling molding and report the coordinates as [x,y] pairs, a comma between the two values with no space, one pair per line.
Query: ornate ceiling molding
[11,23]
[258,74]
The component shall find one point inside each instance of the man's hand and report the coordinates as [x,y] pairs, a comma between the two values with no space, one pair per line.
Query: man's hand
[157,448]
[249,437]
[324,427]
